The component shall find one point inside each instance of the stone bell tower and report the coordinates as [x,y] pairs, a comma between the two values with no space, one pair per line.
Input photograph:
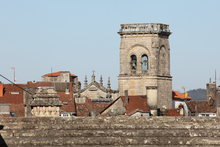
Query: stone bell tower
[145,63]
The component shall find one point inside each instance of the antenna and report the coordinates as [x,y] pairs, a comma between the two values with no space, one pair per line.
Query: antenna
[52,77]
[13,68]
[215,77]
[184,90]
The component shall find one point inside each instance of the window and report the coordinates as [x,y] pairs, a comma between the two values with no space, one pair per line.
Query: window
[144,63]
[133,63]
[14,92]
[65,103]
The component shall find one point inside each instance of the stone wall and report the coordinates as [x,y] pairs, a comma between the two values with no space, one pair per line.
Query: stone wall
[117,131]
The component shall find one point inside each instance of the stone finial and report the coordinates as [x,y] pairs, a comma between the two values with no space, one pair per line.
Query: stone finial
[101,81]
[109,83]
[85,82]
[109,89]
[93,76]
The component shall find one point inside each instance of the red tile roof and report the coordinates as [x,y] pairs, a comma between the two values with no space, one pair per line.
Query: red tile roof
[13,95]
[178,95]
[5,115]
[172,112]
[136,103]
[9,97]
[202,106]
[72,75]
[89,106]
[56,74]
[16,100]
[70,106]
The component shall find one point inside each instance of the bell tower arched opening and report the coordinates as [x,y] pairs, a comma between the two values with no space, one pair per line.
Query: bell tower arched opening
[144,63]
[133,64]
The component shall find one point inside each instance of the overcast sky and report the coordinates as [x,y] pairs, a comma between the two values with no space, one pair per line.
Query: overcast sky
[81,36]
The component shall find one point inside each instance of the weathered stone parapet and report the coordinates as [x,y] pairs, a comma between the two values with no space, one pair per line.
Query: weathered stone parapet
[144,28]
[114,131]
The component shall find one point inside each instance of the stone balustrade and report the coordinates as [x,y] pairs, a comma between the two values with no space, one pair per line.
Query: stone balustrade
[144,28]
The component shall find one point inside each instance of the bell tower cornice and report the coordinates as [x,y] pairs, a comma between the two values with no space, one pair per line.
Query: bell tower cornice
[144,28]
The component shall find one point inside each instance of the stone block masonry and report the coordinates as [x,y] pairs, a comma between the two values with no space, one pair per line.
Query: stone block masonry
[145,62]
[110,131]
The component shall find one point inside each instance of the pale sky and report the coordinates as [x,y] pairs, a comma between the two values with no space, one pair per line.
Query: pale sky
[81,36]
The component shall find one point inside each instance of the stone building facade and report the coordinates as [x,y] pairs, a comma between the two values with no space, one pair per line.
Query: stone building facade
[96,90]
[94,97]
[61,76]
[145,63]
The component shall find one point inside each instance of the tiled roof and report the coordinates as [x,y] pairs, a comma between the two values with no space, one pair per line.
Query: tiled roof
[178,95]
[70,106]
[172,112]
[5,115]
[56,74]
[136,103]
[17,103]
[89,106]
[72,75]
[202,106]
[13,95]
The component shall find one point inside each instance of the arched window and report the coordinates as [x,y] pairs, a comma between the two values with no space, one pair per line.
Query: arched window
[144,62]
[133,63]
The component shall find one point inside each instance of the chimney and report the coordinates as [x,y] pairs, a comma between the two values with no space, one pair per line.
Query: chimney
[126,97]
[1,89]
